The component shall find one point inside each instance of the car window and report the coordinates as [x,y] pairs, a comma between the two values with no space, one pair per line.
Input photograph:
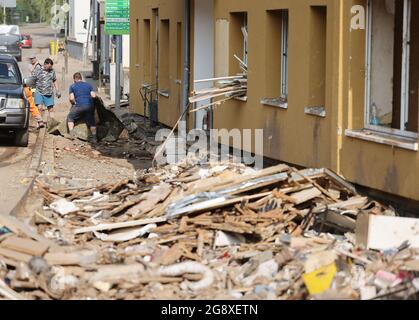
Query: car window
[9,29]
[8,73]
[8,39]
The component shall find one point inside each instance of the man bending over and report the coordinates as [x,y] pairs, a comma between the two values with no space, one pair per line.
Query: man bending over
[81,98]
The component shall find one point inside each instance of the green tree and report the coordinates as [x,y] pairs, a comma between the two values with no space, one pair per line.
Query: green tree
[37,10]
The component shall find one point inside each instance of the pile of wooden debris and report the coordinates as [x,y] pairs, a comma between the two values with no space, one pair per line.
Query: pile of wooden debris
[213,231]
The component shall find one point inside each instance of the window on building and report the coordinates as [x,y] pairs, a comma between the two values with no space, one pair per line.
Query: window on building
[392,67]
[147,50]
[317,67]
[245,38]
[164,63]
[276,58]
[239,43]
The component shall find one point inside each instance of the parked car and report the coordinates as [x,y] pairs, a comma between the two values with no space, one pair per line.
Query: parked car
[10,44]
[14,109]
[11,29]
[26,41]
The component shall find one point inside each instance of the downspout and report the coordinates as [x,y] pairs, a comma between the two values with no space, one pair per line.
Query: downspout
[186,62]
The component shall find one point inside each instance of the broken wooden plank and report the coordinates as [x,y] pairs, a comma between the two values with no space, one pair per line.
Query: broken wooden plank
[150,200]
[21,228]
[215,95]
[172,255]
[218,79]
[11,254]
[9,293]
[354,203]
[315,184]
[305,195]
[31,247]
[119,225]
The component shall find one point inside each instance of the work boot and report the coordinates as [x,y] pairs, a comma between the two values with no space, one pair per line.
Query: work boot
[70,136]
[93,139]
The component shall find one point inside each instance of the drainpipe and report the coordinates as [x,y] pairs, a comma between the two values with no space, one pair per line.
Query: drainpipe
[186,62]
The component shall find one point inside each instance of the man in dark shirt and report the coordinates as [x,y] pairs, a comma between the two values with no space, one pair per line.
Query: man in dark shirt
[81,98]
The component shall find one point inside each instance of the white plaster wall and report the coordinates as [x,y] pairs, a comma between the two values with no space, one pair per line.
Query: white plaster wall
[204,49]
[126,51]
[80,10]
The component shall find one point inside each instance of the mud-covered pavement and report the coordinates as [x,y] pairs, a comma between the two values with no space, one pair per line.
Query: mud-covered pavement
[14,162]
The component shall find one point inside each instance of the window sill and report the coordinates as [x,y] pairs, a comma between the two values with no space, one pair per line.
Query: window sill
[244,99]
[382,138]
[316,111]
[275,103]
[164,93]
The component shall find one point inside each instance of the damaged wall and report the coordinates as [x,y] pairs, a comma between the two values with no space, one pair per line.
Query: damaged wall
[286,130]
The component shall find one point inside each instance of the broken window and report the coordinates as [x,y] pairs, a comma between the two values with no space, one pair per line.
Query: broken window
[245,39]
[392,70]
[239,44]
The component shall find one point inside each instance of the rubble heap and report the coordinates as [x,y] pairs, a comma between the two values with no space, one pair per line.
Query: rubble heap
[203,231]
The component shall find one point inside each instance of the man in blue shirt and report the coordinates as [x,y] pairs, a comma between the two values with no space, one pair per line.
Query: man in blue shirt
[81,98]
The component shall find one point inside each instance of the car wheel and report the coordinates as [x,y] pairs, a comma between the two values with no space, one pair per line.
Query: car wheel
[22,138]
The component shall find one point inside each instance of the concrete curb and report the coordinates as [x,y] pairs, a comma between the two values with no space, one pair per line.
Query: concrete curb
[32,171]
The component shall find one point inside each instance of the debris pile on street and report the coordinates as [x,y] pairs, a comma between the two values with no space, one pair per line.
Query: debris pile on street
[207,231]
[132,134]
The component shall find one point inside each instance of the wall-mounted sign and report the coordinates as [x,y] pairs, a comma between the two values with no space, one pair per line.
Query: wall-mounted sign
[117,20]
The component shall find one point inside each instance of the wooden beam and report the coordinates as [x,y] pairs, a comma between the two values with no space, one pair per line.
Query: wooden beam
[119,225]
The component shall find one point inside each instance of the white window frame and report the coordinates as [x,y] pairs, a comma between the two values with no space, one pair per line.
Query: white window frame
[284,53]
[404,113]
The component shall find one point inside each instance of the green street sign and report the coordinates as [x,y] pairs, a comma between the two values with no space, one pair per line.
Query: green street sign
[117,21]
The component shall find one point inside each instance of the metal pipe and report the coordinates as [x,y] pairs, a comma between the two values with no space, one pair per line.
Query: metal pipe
[186,60]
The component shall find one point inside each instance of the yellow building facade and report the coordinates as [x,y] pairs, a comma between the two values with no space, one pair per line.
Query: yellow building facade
[333,83]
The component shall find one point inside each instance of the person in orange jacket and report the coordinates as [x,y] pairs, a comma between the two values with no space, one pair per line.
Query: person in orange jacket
[33,108]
